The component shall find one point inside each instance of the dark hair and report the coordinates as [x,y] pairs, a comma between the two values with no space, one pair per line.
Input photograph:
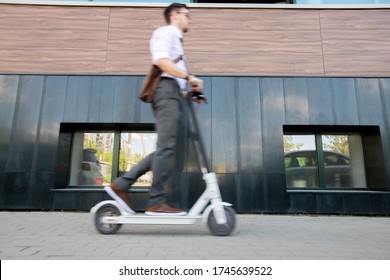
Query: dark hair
[174,7]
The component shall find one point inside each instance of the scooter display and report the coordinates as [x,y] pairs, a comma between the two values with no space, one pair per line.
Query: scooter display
[110,215]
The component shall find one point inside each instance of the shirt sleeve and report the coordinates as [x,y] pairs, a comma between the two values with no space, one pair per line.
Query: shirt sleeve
[160,44]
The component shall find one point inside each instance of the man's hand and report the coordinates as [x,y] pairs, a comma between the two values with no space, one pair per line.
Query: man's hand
[198,97]
[195,83]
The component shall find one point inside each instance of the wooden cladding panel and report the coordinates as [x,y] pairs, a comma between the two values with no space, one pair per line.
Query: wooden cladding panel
[245,42]
[253,42]
[277,42]
[356,42]
[128,41]
[53,39]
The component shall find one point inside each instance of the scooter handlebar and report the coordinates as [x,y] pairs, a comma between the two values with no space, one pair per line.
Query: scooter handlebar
[197,95]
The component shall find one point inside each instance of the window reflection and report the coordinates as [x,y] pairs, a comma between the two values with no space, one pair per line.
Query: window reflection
[344,161]
[338,163]
[92,158]
[135,146]
[300,161]
[94,153]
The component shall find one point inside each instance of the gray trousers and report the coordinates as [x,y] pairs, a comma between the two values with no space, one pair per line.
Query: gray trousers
[167,111]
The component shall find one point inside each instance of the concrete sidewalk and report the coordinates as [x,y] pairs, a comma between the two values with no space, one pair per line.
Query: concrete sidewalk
[71,235]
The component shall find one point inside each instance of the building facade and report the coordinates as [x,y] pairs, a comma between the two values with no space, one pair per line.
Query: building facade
[298,118]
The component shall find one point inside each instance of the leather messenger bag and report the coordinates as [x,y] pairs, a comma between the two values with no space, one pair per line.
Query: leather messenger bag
[151,81]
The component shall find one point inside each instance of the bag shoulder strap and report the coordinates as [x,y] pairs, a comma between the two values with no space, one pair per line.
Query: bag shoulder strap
[178,59]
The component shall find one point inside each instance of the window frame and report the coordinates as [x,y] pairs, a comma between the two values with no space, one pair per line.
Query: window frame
[370,136]
[65,150]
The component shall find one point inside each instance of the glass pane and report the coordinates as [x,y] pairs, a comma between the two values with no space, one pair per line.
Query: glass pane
[92,158]
[300,161]
[134,147]
[344,161]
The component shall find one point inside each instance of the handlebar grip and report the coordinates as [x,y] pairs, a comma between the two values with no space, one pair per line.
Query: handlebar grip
[198,95]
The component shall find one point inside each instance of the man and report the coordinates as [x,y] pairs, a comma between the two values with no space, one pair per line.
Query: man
[167,53]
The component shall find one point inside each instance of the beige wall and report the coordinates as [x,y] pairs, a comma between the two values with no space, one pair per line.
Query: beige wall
[261,42]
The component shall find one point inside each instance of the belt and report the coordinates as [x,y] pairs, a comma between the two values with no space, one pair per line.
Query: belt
[167,78]
[183,92]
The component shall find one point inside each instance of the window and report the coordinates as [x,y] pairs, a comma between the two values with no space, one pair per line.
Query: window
[135,146]
[91,160]
[331,160]
[99,156]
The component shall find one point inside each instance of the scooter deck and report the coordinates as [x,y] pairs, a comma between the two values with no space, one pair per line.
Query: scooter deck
[132,218]
[151,220]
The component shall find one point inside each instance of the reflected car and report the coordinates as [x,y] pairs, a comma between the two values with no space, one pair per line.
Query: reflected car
[90,173]
[302,169]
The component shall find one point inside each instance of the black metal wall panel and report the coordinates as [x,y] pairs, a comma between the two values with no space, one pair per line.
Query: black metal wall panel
[250,193]
[320,101]
[250,187]
[51,116]
[77,101]
[384,86]
[328,203]
[242,128]
[296,101]
[344,101]
[369,103]
[272,117]
[8,93]
[103,92]
[125,102]
[250,158]
[204,116]
[95,104]
[379,204]
[224,126]
[22,146]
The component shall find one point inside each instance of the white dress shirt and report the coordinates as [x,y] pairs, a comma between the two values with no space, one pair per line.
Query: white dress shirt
[166,42]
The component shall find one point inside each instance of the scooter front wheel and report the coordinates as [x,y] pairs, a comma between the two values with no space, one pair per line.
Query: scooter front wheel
[107,211]
[222,229]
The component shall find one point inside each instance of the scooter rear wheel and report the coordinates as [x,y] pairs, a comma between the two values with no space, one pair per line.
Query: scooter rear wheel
[107,211]
[224,229]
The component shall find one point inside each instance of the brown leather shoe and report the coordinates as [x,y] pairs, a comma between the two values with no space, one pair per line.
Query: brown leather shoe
[164,210]
[123,194]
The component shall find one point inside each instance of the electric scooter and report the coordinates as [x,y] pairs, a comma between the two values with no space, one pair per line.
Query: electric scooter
[110,215]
